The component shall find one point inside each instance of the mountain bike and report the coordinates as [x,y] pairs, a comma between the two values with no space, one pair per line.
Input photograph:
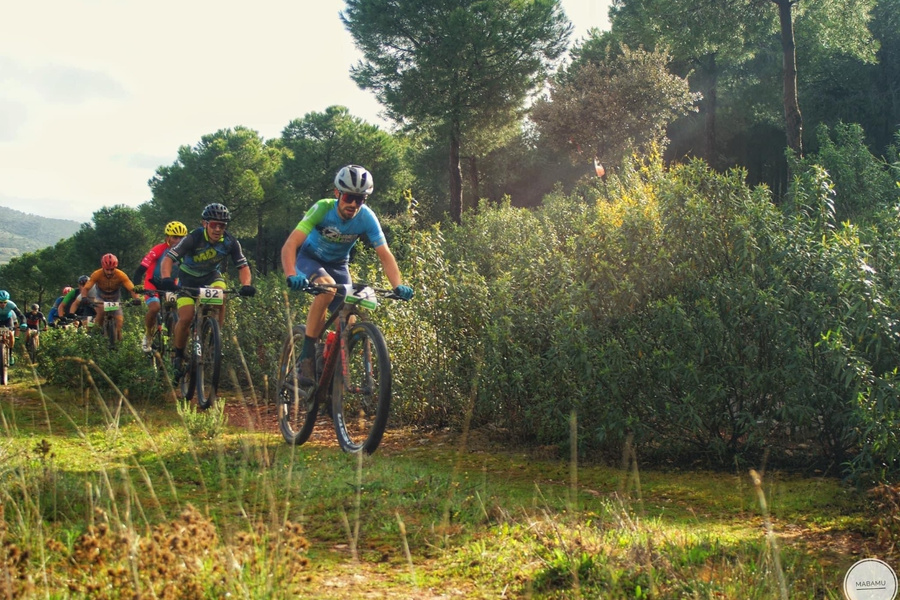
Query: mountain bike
[109,320]
[32,341]
[161,346]
[5,332]
[203,352]
[355,373]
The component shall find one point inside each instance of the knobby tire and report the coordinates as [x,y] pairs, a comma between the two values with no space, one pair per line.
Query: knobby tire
[297,408]
[209,362]
[31,346]
[188,381]
[4,364]
[361,402]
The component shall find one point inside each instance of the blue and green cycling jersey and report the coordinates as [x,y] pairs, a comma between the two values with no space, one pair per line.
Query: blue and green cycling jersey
[330,238]
[10,315]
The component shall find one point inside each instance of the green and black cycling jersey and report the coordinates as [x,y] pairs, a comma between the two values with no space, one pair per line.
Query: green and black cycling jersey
[198,256]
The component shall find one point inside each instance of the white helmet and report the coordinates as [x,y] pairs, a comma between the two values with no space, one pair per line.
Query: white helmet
[354,179]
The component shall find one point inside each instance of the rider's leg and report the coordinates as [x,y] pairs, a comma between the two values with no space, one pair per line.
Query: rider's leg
[183,324]
[120,322]
[150,318]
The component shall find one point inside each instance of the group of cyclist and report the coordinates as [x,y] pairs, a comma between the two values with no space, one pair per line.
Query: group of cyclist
[317,250]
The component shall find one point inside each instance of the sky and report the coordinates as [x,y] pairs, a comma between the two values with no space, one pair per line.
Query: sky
[96,94]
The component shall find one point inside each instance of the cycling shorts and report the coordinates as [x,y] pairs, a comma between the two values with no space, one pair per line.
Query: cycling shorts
[314,269]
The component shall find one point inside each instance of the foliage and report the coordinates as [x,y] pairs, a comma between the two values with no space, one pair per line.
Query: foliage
[119,230]
[455,68]
[79,360]
[613,106]
[863,182]
[202,424]
[320,144]
[232,167]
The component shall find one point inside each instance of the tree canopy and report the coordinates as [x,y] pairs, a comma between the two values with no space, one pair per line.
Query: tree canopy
[454,66]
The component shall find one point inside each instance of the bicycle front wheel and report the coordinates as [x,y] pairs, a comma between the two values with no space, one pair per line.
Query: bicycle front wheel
[4,364]
[109,330]
[209,363]
[158,348]
[361,399]
[31,345]
[297,406]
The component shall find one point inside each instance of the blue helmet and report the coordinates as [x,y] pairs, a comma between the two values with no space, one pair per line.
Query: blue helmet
[4,295]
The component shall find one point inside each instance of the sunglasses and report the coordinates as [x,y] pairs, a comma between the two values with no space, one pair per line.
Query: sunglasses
[216,225]
[357,199]
[2,302]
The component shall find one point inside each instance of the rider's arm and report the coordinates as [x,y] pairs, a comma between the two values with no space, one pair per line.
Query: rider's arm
[19,315]
[289,251]
[389,264]
[74,308]
[165,267]
[127,284]
[139,273]
[67,299]
[245,275]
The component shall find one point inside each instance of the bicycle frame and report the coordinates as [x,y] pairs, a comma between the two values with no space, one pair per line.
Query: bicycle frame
[208,301]
[343,317]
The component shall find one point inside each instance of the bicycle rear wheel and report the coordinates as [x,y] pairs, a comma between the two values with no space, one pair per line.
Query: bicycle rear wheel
[297,406]
[361,401]
[209,362]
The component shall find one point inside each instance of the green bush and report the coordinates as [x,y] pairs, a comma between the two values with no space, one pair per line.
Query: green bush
[75,359]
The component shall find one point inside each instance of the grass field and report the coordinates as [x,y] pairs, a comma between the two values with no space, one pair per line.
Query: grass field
[104,499]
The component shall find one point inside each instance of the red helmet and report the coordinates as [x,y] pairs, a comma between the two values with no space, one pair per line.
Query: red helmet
[66,290]
[109,261]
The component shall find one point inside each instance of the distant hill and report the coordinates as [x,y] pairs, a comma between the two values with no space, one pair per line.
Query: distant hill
[21,232]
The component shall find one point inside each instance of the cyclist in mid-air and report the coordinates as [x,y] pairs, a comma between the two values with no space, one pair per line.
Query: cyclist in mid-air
[33,319]
[149,270]
[201,256]
[318,250]
[10,316]
[109,281]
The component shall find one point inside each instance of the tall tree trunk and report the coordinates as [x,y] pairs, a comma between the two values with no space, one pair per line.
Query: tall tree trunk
[455,174]
[261,262]
[473,182]
[793,122]
[709,124]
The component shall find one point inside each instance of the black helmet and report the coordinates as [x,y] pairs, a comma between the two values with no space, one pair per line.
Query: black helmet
[216,212]
[83,279]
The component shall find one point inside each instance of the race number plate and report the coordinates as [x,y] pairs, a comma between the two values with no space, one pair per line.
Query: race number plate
[214,296]
[110,306]
[365,297]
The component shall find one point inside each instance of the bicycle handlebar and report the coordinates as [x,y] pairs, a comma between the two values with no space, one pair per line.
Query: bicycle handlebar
[195,291]
[321,288]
